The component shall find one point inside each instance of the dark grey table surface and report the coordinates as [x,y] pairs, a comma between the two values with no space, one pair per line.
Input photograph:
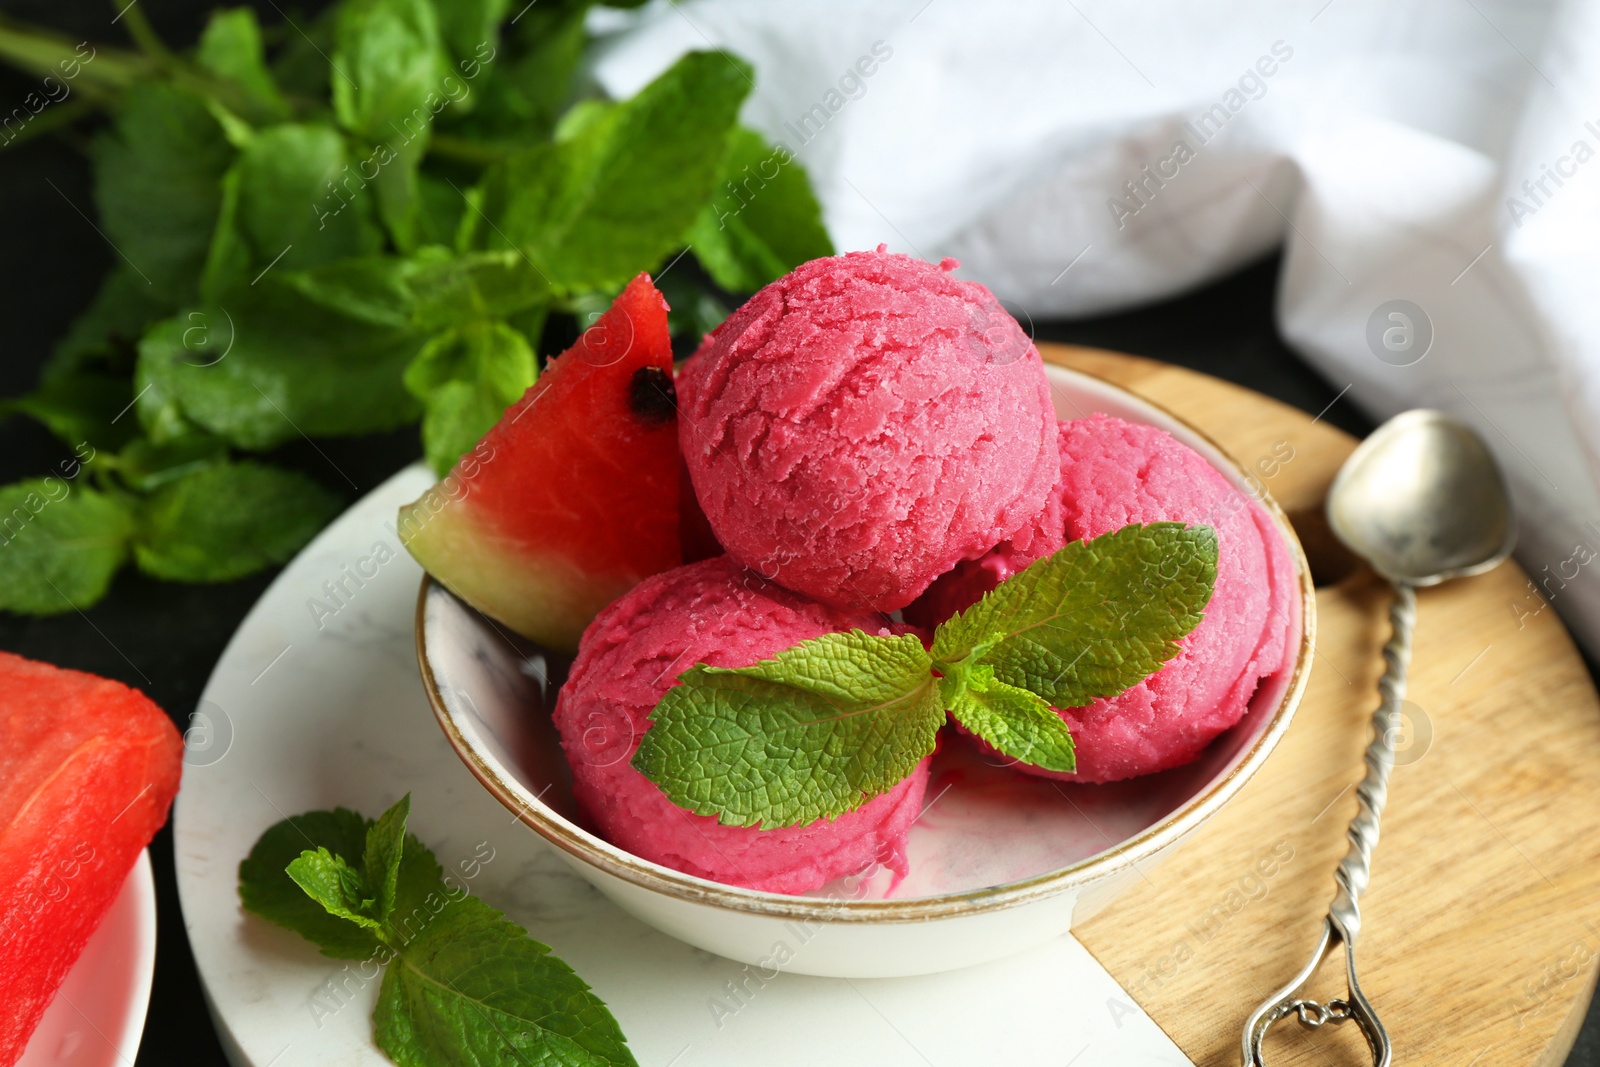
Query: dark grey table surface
[165,638]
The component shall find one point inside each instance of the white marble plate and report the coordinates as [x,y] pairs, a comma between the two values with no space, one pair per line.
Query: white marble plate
[317,703]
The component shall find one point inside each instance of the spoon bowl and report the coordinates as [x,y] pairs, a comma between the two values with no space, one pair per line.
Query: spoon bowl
[1423,500]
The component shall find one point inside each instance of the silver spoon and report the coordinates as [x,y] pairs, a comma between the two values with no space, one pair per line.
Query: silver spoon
[1421,500]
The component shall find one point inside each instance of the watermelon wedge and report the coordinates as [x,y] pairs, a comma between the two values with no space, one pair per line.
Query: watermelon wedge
[572,498]
[88,768]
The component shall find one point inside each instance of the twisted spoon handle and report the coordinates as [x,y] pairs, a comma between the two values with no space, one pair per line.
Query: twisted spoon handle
[1356,867]
[1343,923]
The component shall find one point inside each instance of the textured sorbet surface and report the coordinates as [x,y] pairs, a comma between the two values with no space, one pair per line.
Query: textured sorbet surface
[1114,473]
[864,423]
[714,612]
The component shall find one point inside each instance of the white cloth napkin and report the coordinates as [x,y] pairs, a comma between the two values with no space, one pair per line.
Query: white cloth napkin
[1085,156]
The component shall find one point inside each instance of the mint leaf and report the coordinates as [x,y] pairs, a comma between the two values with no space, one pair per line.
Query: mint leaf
[386,841]
[231,48]
[228,520]
[399,194]
[300,62]
[420,892]
[387,60]
[155,398]
[553,42]
[372,289]
[60,544]
[79,407]
[620,193]
[470,31]
[429,289]
[462,984]
[844,668]
[266,889]
[298,200]
[456,416]
[450,291]
[467,378]
[1017,723]
[517,91]
[388,83]
[274,365]
[488,351]
[474,988]
[227,263]
[157,183]
[338,887]
[443,210]
[812,733]
[580,117]
[1092,620]
[763,220]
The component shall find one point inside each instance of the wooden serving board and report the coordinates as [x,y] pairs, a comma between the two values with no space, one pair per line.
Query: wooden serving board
[1481,928]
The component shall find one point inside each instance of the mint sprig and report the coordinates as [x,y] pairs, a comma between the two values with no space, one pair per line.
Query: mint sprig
[300,258]
[825,726]
[461,983]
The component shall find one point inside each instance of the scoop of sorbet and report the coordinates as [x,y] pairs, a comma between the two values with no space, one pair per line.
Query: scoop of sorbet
[718,613]
[1114,473]
[864,423]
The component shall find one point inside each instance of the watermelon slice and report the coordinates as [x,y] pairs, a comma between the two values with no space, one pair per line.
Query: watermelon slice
[572,498]
[88,768]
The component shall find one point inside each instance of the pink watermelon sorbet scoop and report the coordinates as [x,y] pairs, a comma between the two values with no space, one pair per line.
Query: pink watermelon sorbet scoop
[714,612]
[1113,473]
[864,423]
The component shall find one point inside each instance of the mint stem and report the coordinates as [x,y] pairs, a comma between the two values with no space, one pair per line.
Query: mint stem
[42,53]
[140,30]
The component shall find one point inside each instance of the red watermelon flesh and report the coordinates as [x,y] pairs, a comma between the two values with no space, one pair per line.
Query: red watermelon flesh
[572,498]
[88,768]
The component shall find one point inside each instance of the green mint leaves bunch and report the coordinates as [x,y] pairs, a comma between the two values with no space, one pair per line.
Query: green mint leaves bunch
[461,984]
[376,218]
[825,726]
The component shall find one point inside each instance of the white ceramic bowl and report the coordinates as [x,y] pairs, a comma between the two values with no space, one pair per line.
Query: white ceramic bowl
[1000,861]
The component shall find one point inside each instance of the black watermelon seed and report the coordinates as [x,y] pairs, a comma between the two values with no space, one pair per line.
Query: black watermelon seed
[651,395]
